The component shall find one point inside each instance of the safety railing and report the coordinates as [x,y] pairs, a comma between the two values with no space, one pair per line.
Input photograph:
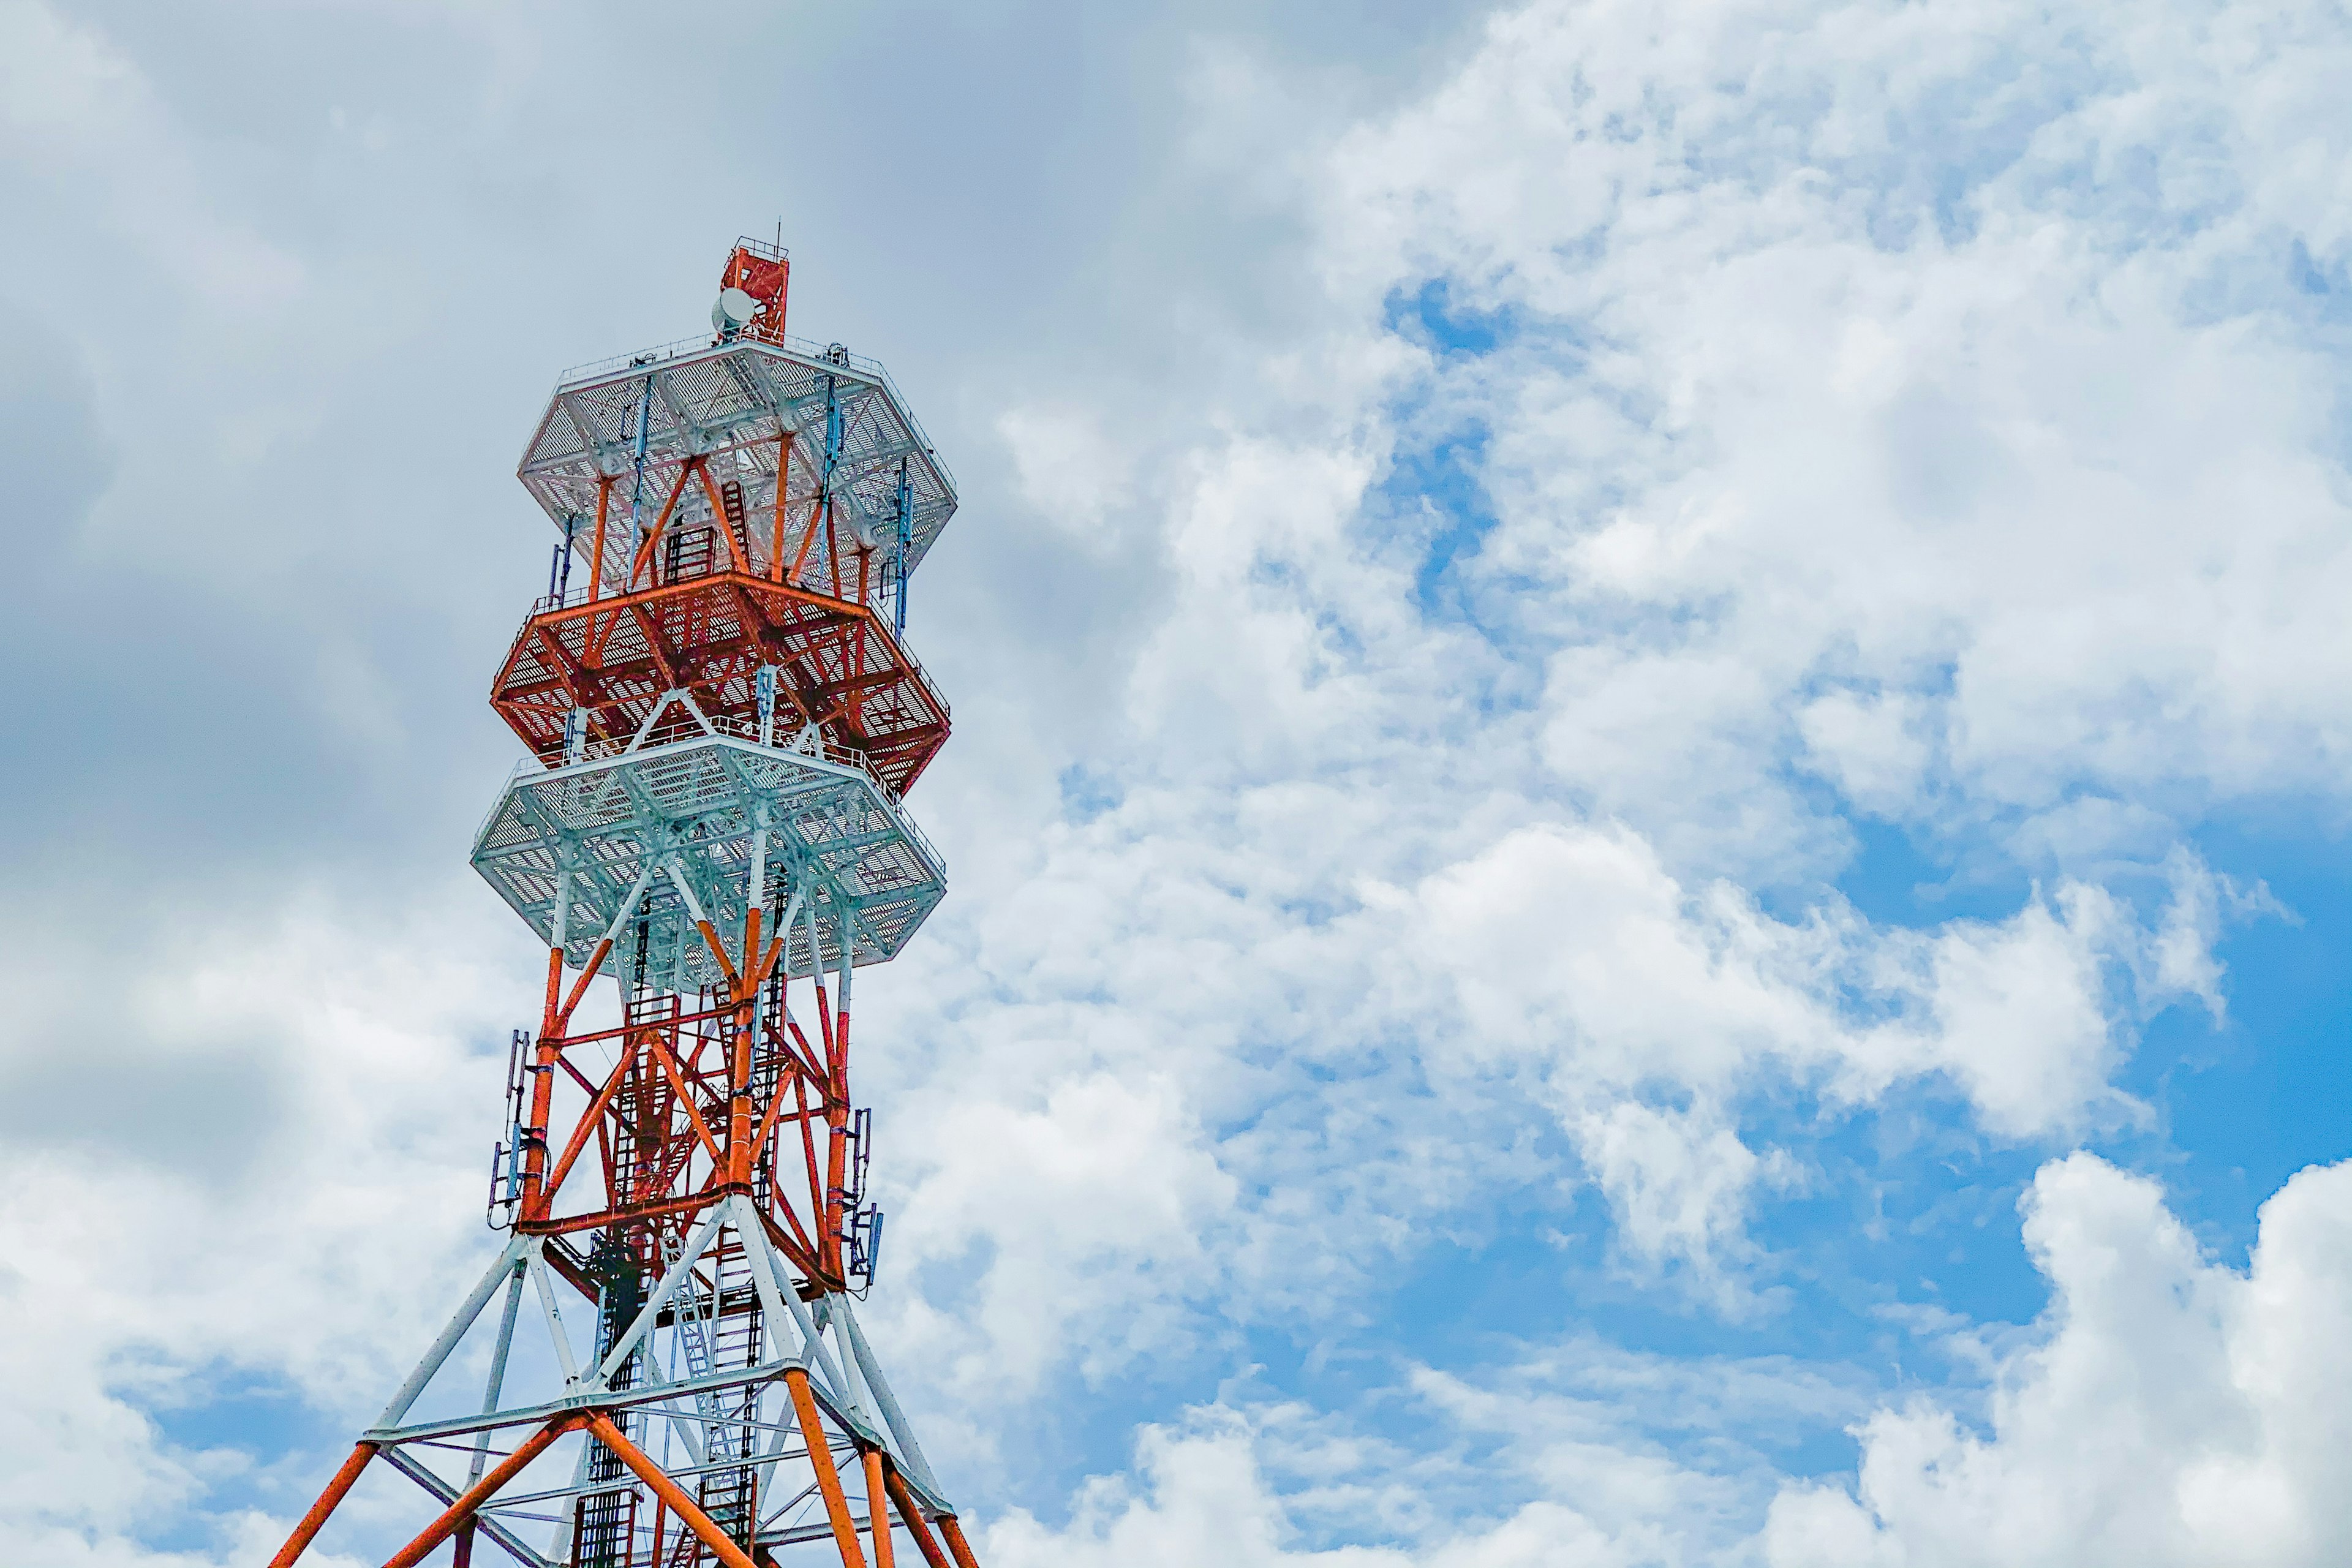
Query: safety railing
[803,744]
[548,603]
[816,356]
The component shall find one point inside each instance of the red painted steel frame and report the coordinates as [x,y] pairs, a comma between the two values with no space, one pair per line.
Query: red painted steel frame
[694,1109]
[840,667]
[766,276]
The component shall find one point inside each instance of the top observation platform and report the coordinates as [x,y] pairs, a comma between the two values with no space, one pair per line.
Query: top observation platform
[803,460]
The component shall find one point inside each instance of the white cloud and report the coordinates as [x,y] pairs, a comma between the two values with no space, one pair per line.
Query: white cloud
[1954,360]
[1203,1492]
[2178,1411]
[251,1164]
[2169,1409]
[1869,746]
[1894,402]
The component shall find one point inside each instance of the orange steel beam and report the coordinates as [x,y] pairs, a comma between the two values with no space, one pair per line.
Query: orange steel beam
[911,1512]
[653,647]
[482,1491]
[783,471]
[956,1543]
[877,1506]
[832,543]
[536,1198]
[783,1206]
[719,950]
[816,1180]
[580,987]
[533,1137]
[801,1255]
[746,1033]
[767,588]
[568,1041]
[804,1056]
[686,1097]
[572,1072]
[570,671]
[821,1282]
[588,1119]
[685,1203]
[596,565]
[740,1150]
[645,550]
[828,1480]
[555,973]
[774,1113]
[670,1492]
[308,1526]
[808,541]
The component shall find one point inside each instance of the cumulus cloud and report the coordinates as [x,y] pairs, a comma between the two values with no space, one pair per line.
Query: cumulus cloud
[2176,1410]
[1864,399]
[1669,445]
[214,1177]
[2168,1409]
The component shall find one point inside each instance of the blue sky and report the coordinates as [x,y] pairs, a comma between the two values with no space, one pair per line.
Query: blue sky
[1648,789]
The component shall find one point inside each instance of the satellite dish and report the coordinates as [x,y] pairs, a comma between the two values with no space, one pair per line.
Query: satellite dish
[733,313]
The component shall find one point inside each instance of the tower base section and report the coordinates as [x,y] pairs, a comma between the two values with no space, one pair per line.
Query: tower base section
[716,1418]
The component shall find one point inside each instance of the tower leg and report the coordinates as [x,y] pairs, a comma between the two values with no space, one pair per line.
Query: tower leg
[473,1497]
[828,1480]
[300,1542]
[916,1525]
[670,1493]
[877,1508]
[954,1532]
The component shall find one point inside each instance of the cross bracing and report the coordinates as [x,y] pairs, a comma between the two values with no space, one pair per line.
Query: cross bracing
[735,1402]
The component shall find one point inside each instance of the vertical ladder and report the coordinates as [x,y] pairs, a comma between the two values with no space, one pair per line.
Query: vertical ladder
[731,500]
[687,553]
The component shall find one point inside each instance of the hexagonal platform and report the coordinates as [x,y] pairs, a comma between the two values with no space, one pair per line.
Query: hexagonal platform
[621,824]
[862,489]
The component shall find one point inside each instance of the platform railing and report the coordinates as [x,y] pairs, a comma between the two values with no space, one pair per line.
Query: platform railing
[547,604]
[815,354]
[816,746]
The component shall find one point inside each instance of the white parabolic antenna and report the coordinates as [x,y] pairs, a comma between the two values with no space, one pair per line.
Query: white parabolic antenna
[734,310]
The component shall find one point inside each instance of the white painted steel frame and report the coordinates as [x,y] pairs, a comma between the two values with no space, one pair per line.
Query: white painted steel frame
[704,811]
[853,437]
[849,1402]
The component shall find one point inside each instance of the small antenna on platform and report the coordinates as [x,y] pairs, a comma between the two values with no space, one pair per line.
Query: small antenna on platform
[733,313]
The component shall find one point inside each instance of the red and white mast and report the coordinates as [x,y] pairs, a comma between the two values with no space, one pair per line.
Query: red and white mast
[723,722]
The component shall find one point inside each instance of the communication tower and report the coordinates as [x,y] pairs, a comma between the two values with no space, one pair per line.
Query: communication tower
[723,722]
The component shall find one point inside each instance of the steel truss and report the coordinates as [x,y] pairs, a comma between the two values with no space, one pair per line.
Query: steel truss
[621,459]
[723,723]
[585,677]
[801,1443]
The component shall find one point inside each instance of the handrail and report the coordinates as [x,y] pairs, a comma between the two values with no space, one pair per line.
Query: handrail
[816,356]
[731,733]
[575,598]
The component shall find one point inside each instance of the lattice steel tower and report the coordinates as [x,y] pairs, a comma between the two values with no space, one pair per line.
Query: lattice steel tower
[723,720]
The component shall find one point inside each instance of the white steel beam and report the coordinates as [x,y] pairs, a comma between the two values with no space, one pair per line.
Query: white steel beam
[462,1320]
[627,1343]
